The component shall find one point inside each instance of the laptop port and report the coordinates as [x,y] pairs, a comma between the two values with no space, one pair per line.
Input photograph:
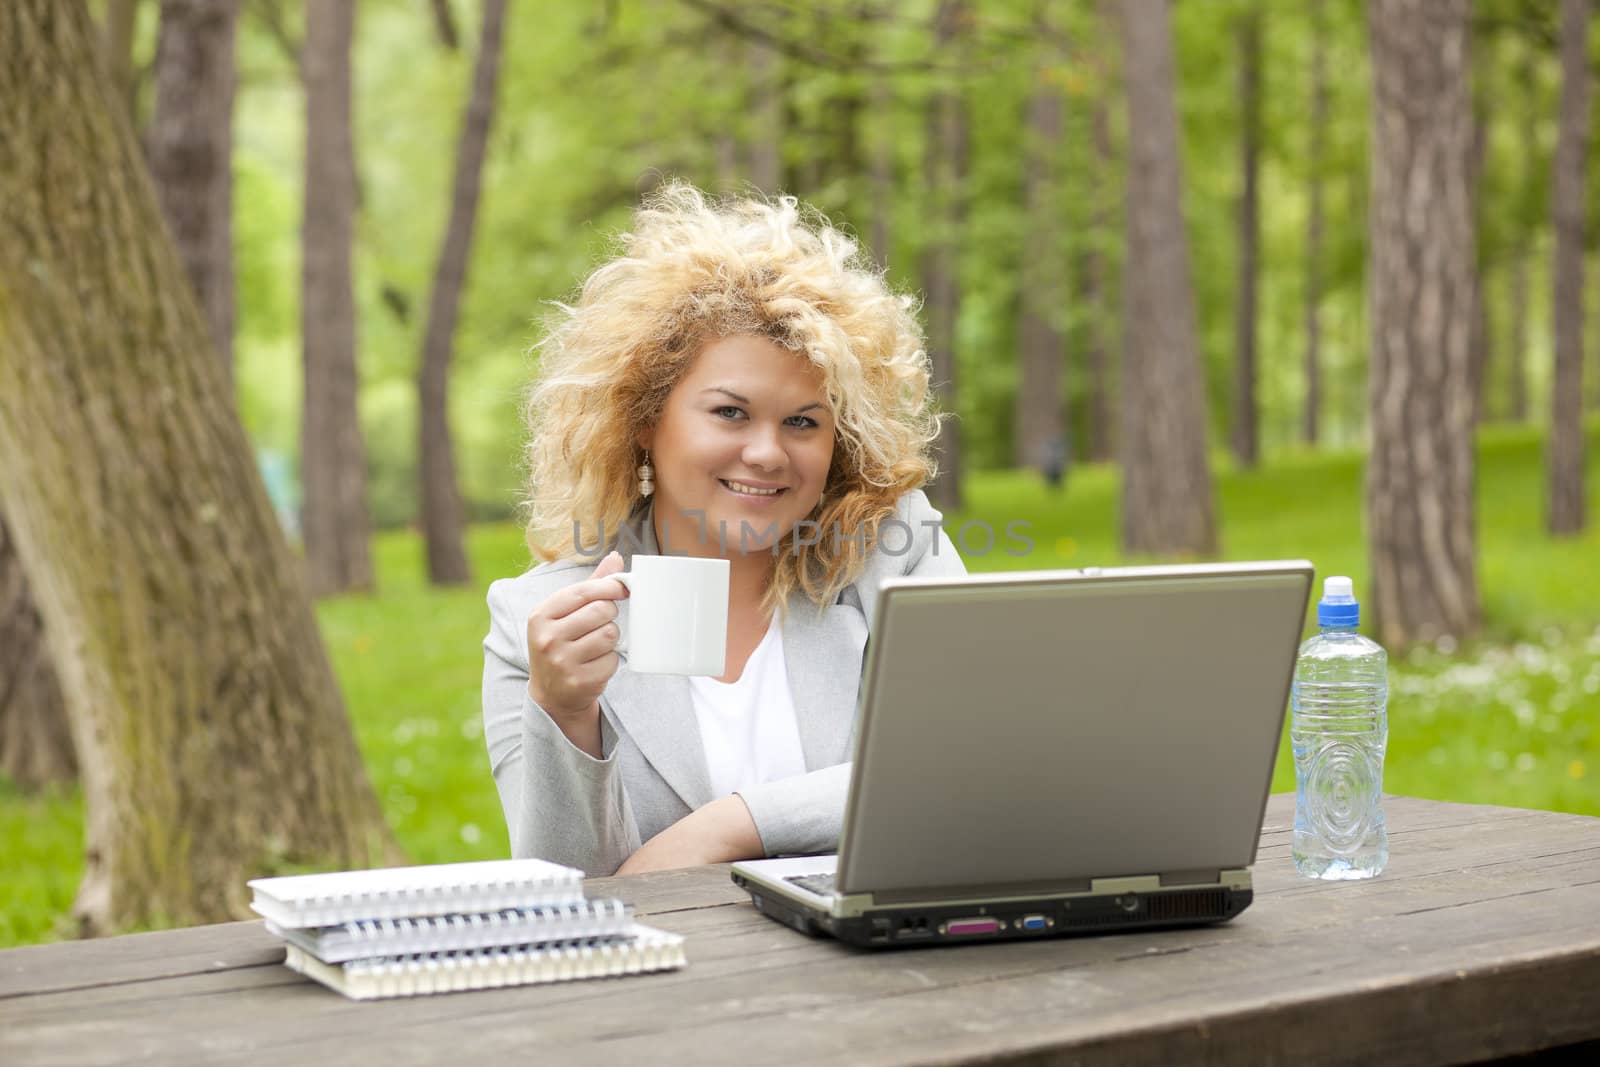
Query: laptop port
[969,927]
[1034,922]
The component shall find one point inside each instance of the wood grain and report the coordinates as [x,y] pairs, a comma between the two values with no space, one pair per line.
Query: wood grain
[1478,941]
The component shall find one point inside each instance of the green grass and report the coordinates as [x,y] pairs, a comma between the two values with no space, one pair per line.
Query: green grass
[1512,718]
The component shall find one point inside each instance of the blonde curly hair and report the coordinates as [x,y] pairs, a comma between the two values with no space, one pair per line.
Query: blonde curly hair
[693,270]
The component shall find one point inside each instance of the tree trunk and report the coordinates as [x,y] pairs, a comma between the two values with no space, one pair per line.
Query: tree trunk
[190,149]
[1039,434]
[946,177]
[725,138]
[1096,299]
[332,455]
[882,172]
[1419,482]
[36,747]
[442,518]
[1478,342]
[444,25]
[1566,514]
[1246,418]
[1166,491]
[766,145]
[116,44]
[1310,429]
[1517,356]
[1517,352]
[211,736]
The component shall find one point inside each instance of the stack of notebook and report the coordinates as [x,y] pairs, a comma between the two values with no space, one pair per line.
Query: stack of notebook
[405,931]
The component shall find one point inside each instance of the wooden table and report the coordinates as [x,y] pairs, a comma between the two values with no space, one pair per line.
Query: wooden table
[1482,939]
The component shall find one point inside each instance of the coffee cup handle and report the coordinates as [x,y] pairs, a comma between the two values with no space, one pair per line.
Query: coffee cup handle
[626,578]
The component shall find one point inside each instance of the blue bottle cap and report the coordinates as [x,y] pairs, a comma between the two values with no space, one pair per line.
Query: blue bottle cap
[1338,606]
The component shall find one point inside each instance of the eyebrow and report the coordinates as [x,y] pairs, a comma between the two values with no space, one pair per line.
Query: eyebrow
[743,400]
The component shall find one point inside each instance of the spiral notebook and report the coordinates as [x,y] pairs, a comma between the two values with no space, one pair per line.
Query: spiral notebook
[589,920]
[643,950]
[314,900]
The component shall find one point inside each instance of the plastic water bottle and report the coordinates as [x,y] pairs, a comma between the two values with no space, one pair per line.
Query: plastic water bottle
[1339,729]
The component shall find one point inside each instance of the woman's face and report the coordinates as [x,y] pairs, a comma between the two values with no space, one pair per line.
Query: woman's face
[745,439]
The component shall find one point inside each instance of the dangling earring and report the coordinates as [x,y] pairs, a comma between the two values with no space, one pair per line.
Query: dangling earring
[647,477]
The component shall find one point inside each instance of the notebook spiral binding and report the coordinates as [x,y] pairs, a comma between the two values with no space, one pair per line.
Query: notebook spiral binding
[602,918]
[644,950]
[316,900]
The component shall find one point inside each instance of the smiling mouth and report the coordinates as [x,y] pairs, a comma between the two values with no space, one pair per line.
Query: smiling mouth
[747,491]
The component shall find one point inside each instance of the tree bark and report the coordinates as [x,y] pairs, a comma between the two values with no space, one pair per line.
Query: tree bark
[1246,417]
[1419,480]
[1166,491]
[766,145]
[1517,356]
[882,172]
[442,517]
[946,176]
[725,138]
[36,747]
[1095,297]
[444,25]
[210,732]
[1566,492]
[1310,428]
[116,42]
[332,454]
[190,149]
[1039,430]
[1478,344]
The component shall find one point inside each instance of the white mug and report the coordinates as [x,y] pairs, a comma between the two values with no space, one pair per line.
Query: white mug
[677,615]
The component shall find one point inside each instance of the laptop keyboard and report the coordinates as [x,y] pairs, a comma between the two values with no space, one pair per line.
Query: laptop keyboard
[820,884]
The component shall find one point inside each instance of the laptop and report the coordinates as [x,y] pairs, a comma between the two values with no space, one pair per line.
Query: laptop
[1054,752]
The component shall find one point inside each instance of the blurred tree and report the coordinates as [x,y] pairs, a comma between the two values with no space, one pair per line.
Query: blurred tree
[1096,304]
[189,144]
[1566,491]
[1317,150]
[1522,256]
[1039,429]
[444,25]
[1420,475]
[1246,416]
[769,111]
[882,179]
[116,48]
[1166,475]
[945,178]
[442,517]
[35,735]
[332,453]
[1478,345]
[212,740]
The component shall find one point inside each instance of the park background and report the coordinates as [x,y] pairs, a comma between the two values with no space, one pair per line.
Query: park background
[993,158]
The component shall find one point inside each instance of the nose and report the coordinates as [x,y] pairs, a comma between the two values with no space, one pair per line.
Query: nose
[764,449]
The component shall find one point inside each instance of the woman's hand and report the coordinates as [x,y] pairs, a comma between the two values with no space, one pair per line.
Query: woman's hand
[572,640]
[719,832]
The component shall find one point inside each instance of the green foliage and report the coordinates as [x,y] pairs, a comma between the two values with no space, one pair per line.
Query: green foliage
[599,101]
[1513,719]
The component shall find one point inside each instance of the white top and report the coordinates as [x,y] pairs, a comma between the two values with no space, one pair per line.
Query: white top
[748,727]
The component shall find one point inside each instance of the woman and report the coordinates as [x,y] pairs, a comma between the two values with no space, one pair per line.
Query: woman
[736,383]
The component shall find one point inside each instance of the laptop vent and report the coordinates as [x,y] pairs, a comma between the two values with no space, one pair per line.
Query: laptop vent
[1205,905]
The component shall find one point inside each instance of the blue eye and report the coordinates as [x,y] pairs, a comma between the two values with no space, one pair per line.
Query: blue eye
[726,408]
[805,420]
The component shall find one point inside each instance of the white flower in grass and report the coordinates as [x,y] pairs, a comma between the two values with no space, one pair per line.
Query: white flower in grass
[1526,761]
[470,833]
[1498,760]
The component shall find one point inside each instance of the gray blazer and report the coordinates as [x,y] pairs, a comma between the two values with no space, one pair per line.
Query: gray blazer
[562,804]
